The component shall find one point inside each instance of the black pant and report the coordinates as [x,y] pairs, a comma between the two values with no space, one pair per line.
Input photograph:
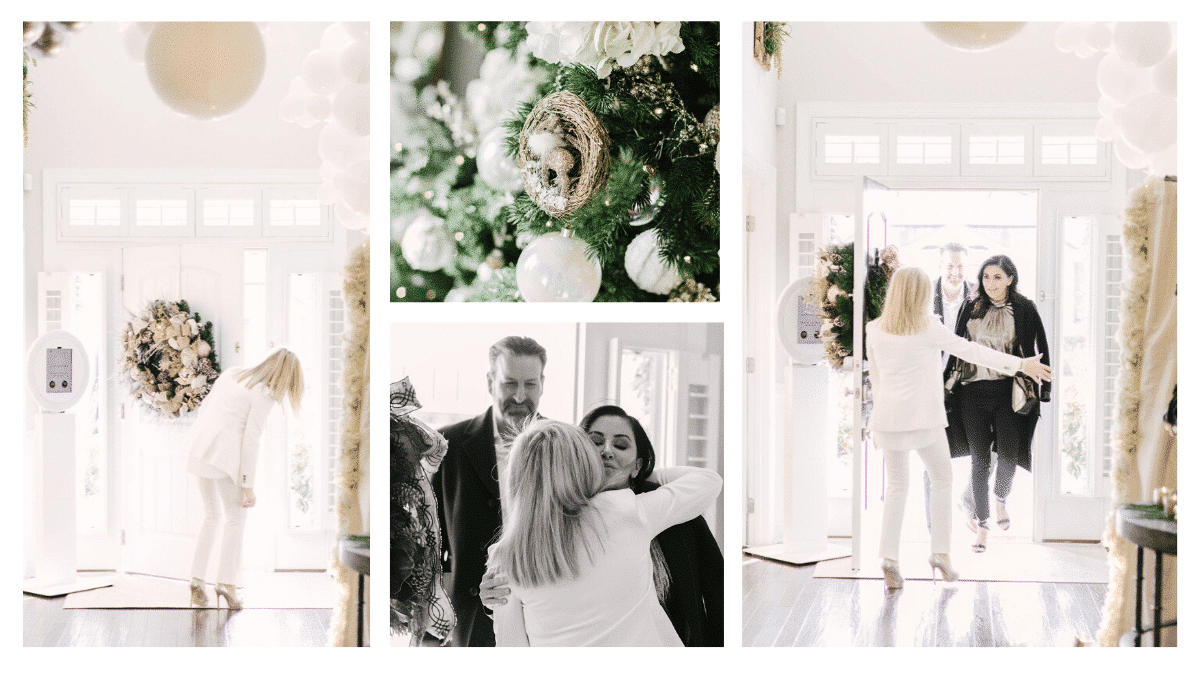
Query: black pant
[988,418]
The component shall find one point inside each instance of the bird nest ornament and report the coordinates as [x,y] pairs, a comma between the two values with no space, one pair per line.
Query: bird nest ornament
[565,154]
[168,358]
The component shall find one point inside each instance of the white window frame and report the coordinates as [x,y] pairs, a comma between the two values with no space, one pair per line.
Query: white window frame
[823,128]
[1070,128]
[228,192]
[60,185]
[896,168]
[972,129]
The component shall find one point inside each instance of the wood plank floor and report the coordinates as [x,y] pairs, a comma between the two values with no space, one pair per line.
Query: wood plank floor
[47,624]
[784,606]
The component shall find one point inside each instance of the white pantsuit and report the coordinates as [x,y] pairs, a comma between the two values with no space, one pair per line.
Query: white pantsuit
[910,414]
[222,448]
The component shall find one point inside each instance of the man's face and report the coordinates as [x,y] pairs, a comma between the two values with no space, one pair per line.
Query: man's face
[516,386]
[952,269]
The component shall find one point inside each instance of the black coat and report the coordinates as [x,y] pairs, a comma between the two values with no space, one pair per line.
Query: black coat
[968,291]
[468,496]
[1030,340]
[696,601]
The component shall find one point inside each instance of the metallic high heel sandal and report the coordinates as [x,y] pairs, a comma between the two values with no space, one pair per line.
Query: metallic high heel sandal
[941,561]
[199,597]
[1002,520]
[891,574]
[229,592]
[980,544]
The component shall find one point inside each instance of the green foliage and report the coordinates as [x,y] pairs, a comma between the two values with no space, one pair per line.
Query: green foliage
[301,478]
[654,114]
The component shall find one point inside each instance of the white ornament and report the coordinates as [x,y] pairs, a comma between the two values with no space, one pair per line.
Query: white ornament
[644,264]
[426,244]
[557,267]
[496,168]
[204,69]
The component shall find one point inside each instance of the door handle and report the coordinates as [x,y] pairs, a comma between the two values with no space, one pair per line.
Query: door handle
[237,348]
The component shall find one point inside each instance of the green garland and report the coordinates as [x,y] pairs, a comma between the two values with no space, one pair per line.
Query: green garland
[832,292]
[663,161]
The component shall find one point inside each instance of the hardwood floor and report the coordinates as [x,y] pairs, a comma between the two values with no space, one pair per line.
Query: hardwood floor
[783,605]
[47,624]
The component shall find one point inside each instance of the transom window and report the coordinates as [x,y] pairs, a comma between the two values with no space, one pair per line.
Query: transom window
[996,150]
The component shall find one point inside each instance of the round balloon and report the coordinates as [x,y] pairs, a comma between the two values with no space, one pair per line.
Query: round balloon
[1120,81]
[1163,163]
[354,186]
[205,69]
[341,148]
[557,267]
[321,72]
[1097,35]
[355,62]
[352,108]
[974,36]
[1148,122]
[1142,43]
[1164,75]
[1130,157]
[135,40]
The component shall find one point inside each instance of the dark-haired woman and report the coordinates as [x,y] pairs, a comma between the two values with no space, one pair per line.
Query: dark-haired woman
[1002,318]
[688,566]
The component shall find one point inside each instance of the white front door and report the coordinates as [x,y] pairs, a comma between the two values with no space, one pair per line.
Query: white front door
[162,510]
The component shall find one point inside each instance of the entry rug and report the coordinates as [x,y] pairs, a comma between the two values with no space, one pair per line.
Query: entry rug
[260,590]
[1002,561]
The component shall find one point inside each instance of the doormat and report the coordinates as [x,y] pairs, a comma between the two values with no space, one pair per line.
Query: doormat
[1002,561]
[259,590]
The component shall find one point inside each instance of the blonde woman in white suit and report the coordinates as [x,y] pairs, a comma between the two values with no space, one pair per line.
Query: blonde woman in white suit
[904,346]
[222,449]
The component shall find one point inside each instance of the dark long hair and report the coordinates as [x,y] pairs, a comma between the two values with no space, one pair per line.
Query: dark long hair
[982,301]
[645,451]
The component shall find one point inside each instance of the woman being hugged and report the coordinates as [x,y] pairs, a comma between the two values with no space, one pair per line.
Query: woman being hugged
[222,449]
[904,346]
[577,556]
[1003,319]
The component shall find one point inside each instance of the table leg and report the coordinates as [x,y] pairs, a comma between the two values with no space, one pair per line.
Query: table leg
[1158,598]
[360,610]
[1137,611]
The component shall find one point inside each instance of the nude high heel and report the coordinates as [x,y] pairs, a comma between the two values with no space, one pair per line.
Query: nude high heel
[891,574]
[941,561]
[1002,520]
[228,592]
[199,597]
[980,544]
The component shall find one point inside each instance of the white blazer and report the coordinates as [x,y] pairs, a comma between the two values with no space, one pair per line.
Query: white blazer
[612,603]
[228,429]
[906,374]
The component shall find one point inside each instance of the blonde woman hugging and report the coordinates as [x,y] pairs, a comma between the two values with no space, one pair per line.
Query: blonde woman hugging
[577,553]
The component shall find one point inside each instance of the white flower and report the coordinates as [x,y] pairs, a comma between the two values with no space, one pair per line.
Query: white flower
[602,45]
[504,82]
[139,324]
[194,326]
[666,38]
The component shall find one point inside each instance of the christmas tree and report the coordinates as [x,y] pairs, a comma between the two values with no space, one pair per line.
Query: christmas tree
[579,162]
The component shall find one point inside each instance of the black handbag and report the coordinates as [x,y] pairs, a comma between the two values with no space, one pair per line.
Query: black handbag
[1024,394]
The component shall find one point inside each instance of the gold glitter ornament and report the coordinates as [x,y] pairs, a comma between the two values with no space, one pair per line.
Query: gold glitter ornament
[562,178]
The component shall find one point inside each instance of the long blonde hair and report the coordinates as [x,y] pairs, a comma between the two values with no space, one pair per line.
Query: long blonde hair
[280,373]
[907,308]
[554,472]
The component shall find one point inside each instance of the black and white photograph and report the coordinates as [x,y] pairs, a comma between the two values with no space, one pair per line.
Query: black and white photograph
[557,484]
[195,305]
[960,304]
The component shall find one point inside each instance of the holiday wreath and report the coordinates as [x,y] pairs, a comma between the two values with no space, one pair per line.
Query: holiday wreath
[832,292]
[169,357]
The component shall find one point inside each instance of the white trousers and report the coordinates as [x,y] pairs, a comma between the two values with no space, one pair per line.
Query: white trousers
[222,506]
[937,463]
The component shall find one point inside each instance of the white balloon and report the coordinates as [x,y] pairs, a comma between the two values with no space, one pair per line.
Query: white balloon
[335,38]
[328,171]
[1164,162]
[1106,129]
[318,107]
[1134,159]
[291,108]
[1120,81]
[1098,35]
[205,69]
[1164,76]
[341,148]
[351,220]
[135,43]
[354,186]
[973,36]
[355,62]
[327,193]
[1083,51]
[1142,43]
[1068,35]
[352,108]
[496,168]
[321,72]
[1106,106]
[297,87]
[1148,122]
[558,268]
[359,31]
